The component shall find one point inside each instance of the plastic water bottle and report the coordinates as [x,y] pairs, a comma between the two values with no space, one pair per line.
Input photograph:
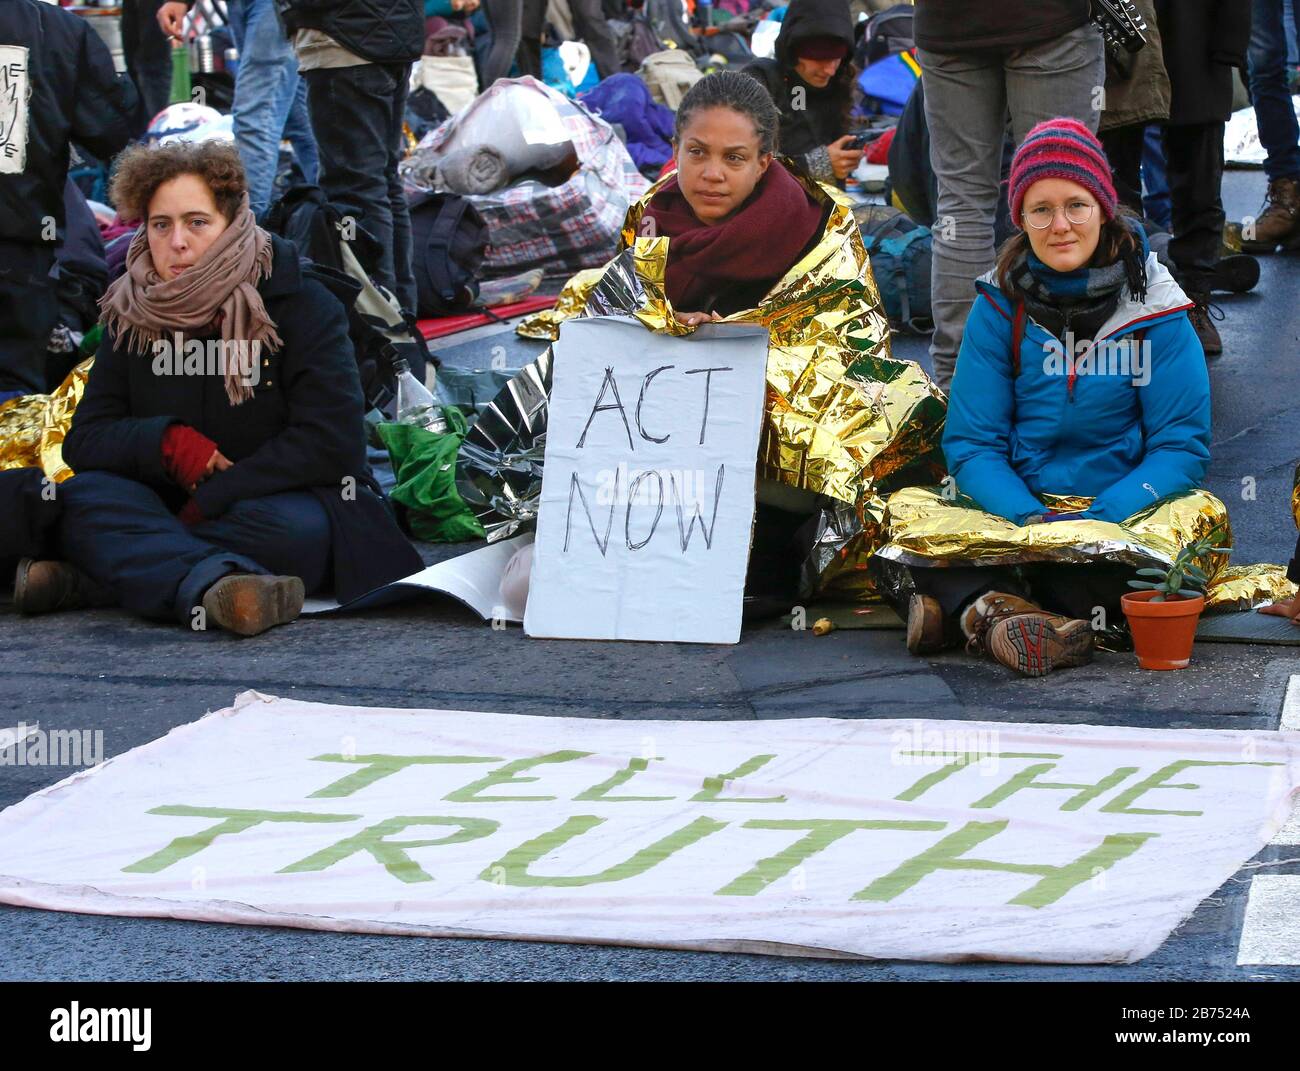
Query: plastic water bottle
[415,404]
[704,13]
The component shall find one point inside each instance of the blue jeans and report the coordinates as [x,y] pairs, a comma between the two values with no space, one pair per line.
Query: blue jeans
[270,99]
[1155,199]
[121,534]
[1274,112]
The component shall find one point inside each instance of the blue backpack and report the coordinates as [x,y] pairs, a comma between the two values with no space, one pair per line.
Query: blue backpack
[900,252]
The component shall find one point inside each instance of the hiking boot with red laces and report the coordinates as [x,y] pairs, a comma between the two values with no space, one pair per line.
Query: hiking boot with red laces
[1024,637]
[1278,223]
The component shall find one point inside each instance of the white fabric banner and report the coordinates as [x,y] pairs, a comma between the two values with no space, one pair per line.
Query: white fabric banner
[894,839]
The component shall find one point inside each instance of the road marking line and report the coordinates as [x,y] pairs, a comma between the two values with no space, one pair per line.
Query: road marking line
[1291,705]
[1270,935]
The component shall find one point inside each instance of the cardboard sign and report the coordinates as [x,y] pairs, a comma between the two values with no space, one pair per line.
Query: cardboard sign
[648,499]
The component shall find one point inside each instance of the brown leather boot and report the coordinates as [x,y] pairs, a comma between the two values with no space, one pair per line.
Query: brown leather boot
[925,625]
[42,587]
[248,603]
[1278,223]
[1202,316]
[1024,637]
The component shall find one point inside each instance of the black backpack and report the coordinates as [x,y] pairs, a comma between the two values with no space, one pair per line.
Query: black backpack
[450,241]
[379,329]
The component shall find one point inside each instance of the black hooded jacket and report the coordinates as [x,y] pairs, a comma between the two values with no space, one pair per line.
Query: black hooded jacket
[76,95]
[806,132]
[381,31]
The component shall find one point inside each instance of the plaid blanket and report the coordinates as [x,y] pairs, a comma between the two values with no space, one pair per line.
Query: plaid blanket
[532,225]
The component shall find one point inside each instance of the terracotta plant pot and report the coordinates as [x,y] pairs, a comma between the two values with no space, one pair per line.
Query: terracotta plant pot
[1162,631]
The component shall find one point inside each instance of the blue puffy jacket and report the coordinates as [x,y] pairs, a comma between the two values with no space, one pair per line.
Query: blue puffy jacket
[1010,438]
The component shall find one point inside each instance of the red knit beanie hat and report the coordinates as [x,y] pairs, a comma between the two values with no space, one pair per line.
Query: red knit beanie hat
[1064,149]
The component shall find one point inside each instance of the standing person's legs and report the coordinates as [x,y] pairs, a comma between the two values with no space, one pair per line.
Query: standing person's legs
[589,21]
[1194,158]
[352,116]
[1124,145]
[533,23]
[297,129]
[1274,112]
[506,17]
[148,54]
[1065,77]
[965,109]
[403,249]
[264,91]
[1155,183]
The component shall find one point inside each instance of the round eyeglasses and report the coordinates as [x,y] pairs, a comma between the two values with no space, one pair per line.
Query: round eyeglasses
[1042,217]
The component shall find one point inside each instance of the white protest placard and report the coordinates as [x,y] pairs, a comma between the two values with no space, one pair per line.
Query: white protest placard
[892,839]
[648,497]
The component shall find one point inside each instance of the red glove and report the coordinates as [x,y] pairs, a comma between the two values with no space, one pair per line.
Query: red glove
[186,453]
[190,515]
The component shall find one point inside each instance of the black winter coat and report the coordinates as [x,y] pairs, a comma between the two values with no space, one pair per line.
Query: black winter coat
[1202,41]
[303,429]
[966,26]
[381,31]
[75,96]
[806,131]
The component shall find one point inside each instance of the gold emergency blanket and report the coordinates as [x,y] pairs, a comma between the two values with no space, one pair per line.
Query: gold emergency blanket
[931,524]
[33,427]
[842,415]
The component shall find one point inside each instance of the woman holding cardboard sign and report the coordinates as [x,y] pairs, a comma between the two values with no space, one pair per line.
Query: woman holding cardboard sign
[741,234]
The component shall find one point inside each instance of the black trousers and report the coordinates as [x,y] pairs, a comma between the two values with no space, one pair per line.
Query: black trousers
[29,308]
[148,54]
[1194,164]
[1077,591]
[589,24]
[1123,147]
[121,534]
[356,115]
[506,19]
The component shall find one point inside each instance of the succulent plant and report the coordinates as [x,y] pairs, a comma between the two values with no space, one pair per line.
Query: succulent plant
[1183,579]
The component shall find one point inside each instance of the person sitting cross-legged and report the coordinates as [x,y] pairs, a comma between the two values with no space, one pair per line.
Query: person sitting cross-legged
[1079,375]
[219,449]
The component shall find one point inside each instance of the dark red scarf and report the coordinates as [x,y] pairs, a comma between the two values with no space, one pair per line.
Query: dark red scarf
[750,250]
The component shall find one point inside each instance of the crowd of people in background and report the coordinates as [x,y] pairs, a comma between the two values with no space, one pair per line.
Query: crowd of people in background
[1046,153]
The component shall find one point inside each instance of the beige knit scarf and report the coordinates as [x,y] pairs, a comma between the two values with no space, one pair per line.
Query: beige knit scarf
[221,288]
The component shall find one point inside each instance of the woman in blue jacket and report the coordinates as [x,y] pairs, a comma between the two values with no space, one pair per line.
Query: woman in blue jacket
[1125,423]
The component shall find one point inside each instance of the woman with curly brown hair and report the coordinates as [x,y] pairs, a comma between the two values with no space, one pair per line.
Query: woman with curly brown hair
[220,444]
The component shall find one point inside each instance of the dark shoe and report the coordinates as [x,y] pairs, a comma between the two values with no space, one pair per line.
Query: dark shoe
[1278,223]
[1236,274]
[925,625]
[1024,637]
[42,587]
[246,603]
[1202,315]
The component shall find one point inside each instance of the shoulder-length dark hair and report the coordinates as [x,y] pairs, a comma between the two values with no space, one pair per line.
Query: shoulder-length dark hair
[1116,241]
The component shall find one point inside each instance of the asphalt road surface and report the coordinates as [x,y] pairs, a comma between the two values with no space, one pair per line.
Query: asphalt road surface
[137,680]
